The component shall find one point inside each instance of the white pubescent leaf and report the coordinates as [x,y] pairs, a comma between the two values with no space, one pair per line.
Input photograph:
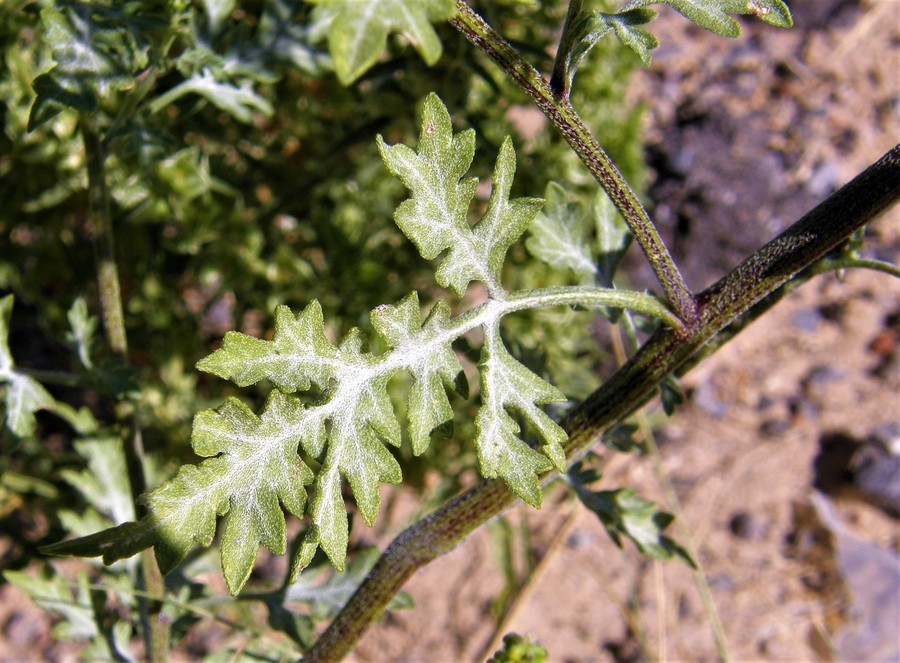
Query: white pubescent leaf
[105,484]
[83,326]
[435,216]
[253,469]
[559,236]
[713,15]
[508,386]
[434,372]
[359,29]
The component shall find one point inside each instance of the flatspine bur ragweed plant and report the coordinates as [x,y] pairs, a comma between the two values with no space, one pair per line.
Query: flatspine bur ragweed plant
[332,417]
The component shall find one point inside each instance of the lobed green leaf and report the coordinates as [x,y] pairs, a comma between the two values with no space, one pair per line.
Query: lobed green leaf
[713,15]
[359,30]
[252,471]
[435,216]
[433,373]
[560,236]
[98,48]
[254,468]
[508,386]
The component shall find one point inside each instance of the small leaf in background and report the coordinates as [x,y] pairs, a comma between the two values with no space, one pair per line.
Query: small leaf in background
[519,649]
[98,50]
[560,236]
[217,11]
[326,597]
[613,238]
[117,377]
[359,29]
[286,37]
[83,326]
[80,609]
[624,514]
[713,15]
[583,30]
[239,101]
[104,484]
[54,593]
[23,395]
[625,25]
[670,395]
[621,438]
[298,627]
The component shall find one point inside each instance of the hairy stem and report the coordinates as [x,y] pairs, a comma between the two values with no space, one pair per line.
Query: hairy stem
[104,244]
[559,111]
[753,282]
[114,327]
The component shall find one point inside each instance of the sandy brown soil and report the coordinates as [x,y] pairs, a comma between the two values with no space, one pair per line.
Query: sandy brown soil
[745,137]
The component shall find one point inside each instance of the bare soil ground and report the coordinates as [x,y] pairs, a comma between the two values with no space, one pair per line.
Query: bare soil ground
[745,136]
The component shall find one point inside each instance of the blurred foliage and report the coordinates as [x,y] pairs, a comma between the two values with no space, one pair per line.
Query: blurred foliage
[217,220]
[519,649]
[242,175]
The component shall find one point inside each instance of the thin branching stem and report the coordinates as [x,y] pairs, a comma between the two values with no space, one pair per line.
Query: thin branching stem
[672,501]
[850,262]
[755,282]
[104,244]
[561,113]
[114,326]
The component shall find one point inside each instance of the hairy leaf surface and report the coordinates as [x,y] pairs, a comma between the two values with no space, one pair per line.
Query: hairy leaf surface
[359,30]
[345,421]
[559,236]
[433,372]
[508,386]
[435,217]
[98,49]
[252,471]
[713,15]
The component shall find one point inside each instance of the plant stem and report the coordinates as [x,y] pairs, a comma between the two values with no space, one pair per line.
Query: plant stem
[674,505]
[825,227]
[858,263]
[563,115]
[104,244]
[157,632]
